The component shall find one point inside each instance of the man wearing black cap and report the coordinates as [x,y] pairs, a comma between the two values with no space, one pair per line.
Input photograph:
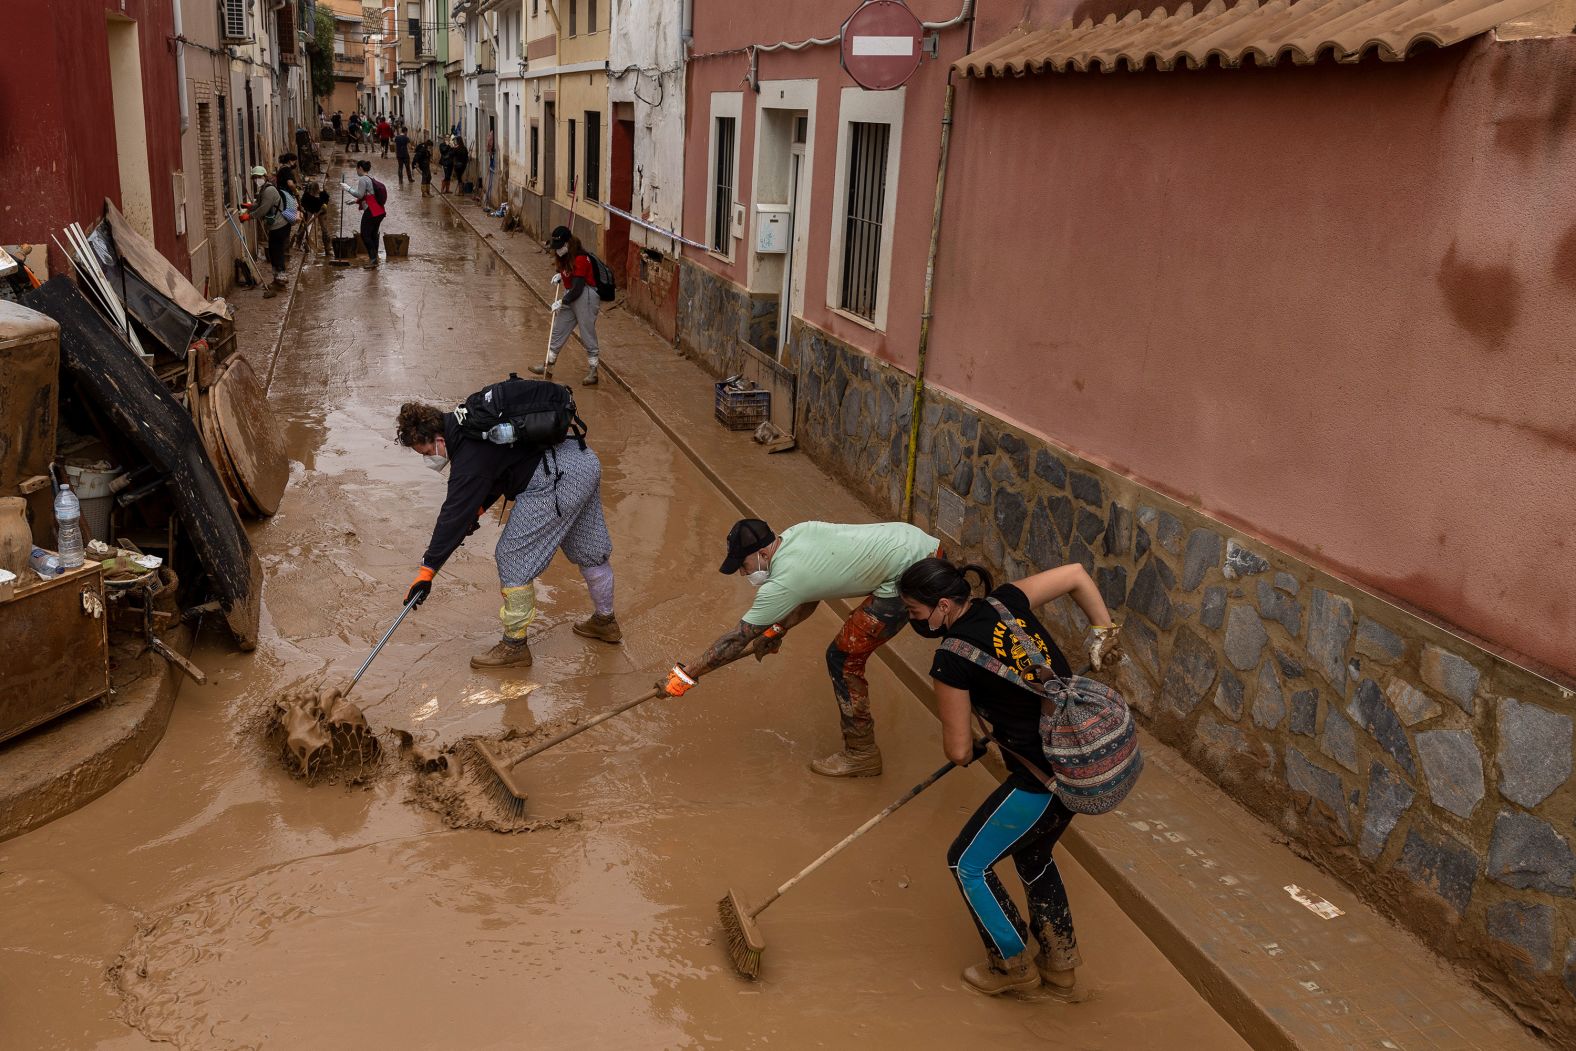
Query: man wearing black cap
[808,563]
[576,305]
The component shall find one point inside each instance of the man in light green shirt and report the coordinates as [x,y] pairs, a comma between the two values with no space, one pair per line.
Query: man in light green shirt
[807,564]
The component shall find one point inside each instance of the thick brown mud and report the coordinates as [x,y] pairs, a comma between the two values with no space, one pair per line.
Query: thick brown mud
[214,900]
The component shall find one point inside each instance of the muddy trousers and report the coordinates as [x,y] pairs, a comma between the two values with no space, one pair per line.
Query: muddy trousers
[404,170]
[561,509]
[865,631]
[1025,825]
[580,314]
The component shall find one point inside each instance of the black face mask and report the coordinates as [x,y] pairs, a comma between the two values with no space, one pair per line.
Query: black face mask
[923,629]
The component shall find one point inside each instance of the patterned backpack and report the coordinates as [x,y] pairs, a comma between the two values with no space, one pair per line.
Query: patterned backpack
[1086,732]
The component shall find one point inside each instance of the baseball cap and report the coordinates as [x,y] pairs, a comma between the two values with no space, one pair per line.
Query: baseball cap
[560,236]
[259,171]
[747,536]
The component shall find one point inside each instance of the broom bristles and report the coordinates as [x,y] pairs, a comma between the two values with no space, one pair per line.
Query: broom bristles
[496,778]
[745,944]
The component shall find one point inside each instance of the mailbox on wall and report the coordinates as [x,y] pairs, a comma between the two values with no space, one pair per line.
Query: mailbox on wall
[771,229]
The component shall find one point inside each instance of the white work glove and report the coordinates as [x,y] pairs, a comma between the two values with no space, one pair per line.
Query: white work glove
[558,279]
[557,305]
[1106,647]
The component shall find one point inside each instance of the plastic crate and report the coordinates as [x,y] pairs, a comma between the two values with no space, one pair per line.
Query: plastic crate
[742,410]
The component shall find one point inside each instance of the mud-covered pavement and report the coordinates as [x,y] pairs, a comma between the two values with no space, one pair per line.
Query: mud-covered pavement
[212,901]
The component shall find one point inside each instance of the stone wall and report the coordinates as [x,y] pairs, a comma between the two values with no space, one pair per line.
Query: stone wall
[1432,776]
[714,314]
[651,289]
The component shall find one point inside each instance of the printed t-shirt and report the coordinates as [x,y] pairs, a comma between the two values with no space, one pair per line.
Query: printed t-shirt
[816,561]
[1012,712]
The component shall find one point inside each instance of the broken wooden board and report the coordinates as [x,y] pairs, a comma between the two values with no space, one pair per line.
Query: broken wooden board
[132,399]
[252,439]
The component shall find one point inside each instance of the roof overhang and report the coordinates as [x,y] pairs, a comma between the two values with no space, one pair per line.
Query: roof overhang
[1230,34]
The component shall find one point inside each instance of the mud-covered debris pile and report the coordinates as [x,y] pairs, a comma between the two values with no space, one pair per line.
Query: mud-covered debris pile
[453,783]
[322,736]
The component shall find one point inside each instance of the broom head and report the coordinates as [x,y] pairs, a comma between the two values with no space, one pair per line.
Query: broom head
[495,775]
[745,941]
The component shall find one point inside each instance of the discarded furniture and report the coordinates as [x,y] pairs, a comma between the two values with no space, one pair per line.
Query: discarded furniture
[55,637]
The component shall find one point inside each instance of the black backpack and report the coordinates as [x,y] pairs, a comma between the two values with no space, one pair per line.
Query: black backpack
[380,191]
[542,413]
[604,278]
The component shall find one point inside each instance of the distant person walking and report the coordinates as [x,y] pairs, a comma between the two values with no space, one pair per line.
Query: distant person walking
[462,161]
[268,208]
[402,155]
[576,305]
[385,134]
[373,197]
[1023,818]
[424,166]
[446,159]
[338,122]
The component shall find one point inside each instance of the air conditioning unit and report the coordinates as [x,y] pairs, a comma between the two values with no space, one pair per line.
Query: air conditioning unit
[235,19]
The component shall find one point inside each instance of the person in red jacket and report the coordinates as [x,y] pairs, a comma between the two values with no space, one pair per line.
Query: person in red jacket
[576,306]
[385,134]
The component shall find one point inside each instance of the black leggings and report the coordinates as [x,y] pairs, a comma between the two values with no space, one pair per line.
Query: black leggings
[278,247]
[369,233]
[1025,825]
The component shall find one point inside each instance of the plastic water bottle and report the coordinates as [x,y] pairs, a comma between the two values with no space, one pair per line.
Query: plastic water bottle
[501,433]
[68,527]
[46,564]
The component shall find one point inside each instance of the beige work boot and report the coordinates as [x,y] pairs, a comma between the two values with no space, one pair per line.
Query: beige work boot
[996,976]
[544,371]
[597,626]
[1063,985]
[507,653]
[590,378]
[857,759]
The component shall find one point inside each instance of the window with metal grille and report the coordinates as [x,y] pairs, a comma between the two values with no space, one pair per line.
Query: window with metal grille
[571,158]
[593,155]
[224,152]
[235,19]
[866,180]
[590,16]
[536,152]
[722,188]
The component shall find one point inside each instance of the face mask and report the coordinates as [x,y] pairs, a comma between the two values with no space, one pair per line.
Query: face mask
[561,252]
[435,462]
[759,577]
[923,629]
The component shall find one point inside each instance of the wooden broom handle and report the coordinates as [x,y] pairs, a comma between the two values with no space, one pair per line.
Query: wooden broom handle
[892,808]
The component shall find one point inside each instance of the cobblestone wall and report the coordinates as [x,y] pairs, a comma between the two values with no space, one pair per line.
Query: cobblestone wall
[713,314]
[1429,774]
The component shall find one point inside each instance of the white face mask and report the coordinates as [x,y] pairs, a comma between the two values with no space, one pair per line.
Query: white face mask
[759,576]
[561,252]
[436,462]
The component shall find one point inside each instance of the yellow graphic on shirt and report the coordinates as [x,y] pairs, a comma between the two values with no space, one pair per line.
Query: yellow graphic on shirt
[1008,651]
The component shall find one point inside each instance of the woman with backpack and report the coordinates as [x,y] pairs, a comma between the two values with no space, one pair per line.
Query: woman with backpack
[576,305]
[269,208]
[372,196]
[1024,817]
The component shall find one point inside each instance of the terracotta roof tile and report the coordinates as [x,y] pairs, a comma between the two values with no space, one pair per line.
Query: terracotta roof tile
[1228,34]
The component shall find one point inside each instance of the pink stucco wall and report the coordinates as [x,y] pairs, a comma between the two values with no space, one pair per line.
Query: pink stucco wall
[1332,305]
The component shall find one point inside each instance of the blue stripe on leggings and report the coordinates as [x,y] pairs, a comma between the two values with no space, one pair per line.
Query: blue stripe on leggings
[1013,817]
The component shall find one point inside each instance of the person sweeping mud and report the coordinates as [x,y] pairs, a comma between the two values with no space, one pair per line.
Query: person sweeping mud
[576,305]
[557,496]
[809,563]
[1023,818]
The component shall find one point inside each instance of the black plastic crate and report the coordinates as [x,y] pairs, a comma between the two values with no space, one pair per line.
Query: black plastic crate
[742,410]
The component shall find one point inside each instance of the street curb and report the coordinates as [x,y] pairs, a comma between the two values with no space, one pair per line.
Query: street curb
[1226,996]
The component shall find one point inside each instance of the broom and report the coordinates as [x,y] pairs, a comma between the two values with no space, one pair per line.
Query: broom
[746,944]
[496,777]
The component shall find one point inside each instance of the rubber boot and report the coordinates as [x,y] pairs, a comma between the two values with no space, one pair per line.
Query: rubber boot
[601,627]
[996,975]
[507,653]
[590,378]
[859,758]
[544,371]
[1057,961]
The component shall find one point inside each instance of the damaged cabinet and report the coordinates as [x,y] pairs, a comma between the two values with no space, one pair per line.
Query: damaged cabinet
[55,637]
[29,400]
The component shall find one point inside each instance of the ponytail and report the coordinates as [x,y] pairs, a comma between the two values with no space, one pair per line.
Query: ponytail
[930,580]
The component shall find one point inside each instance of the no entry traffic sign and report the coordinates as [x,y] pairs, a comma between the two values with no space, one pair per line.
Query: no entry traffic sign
[880,44]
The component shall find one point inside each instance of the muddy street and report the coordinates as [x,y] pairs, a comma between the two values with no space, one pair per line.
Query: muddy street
[212,901]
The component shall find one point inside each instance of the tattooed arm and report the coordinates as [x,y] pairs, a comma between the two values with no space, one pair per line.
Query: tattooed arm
[771,642]
[725,649]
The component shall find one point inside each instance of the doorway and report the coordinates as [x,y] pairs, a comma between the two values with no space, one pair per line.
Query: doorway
[549,150]
[620,194]
[792,292]
[131,124]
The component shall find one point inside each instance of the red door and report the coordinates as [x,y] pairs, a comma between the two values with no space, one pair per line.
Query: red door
[620,194]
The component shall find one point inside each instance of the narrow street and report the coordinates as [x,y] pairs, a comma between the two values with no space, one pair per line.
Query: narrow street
[274,914]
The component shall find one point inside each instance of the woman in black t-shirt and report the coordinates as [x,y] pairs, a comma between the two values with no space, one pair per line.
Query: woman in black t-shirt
[1023,817]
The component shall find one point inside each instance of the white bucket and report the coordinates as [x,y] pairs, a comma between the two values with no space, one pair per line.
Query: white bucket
[91,483]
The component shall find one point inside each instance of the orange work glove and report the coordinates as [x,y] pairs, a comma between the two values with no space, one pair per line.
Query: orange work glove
[677,683]
[422,587]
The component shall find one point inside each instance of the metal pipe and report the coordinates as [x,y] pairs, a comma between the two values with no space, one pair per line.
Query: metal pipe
[925,311]
[687,24]
[180,66]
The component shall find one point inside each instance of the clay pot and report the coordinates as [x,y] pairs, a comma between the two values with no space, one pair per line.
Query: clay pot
[16,538]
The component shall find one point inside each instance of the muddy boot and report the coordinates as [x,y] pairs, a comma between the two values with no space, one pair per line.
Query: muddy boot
[280,284]
[996,975]
[370,265]
[544,371]
[601,627]
[1062,985]
[590,378]
[859,758]
[508,653]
